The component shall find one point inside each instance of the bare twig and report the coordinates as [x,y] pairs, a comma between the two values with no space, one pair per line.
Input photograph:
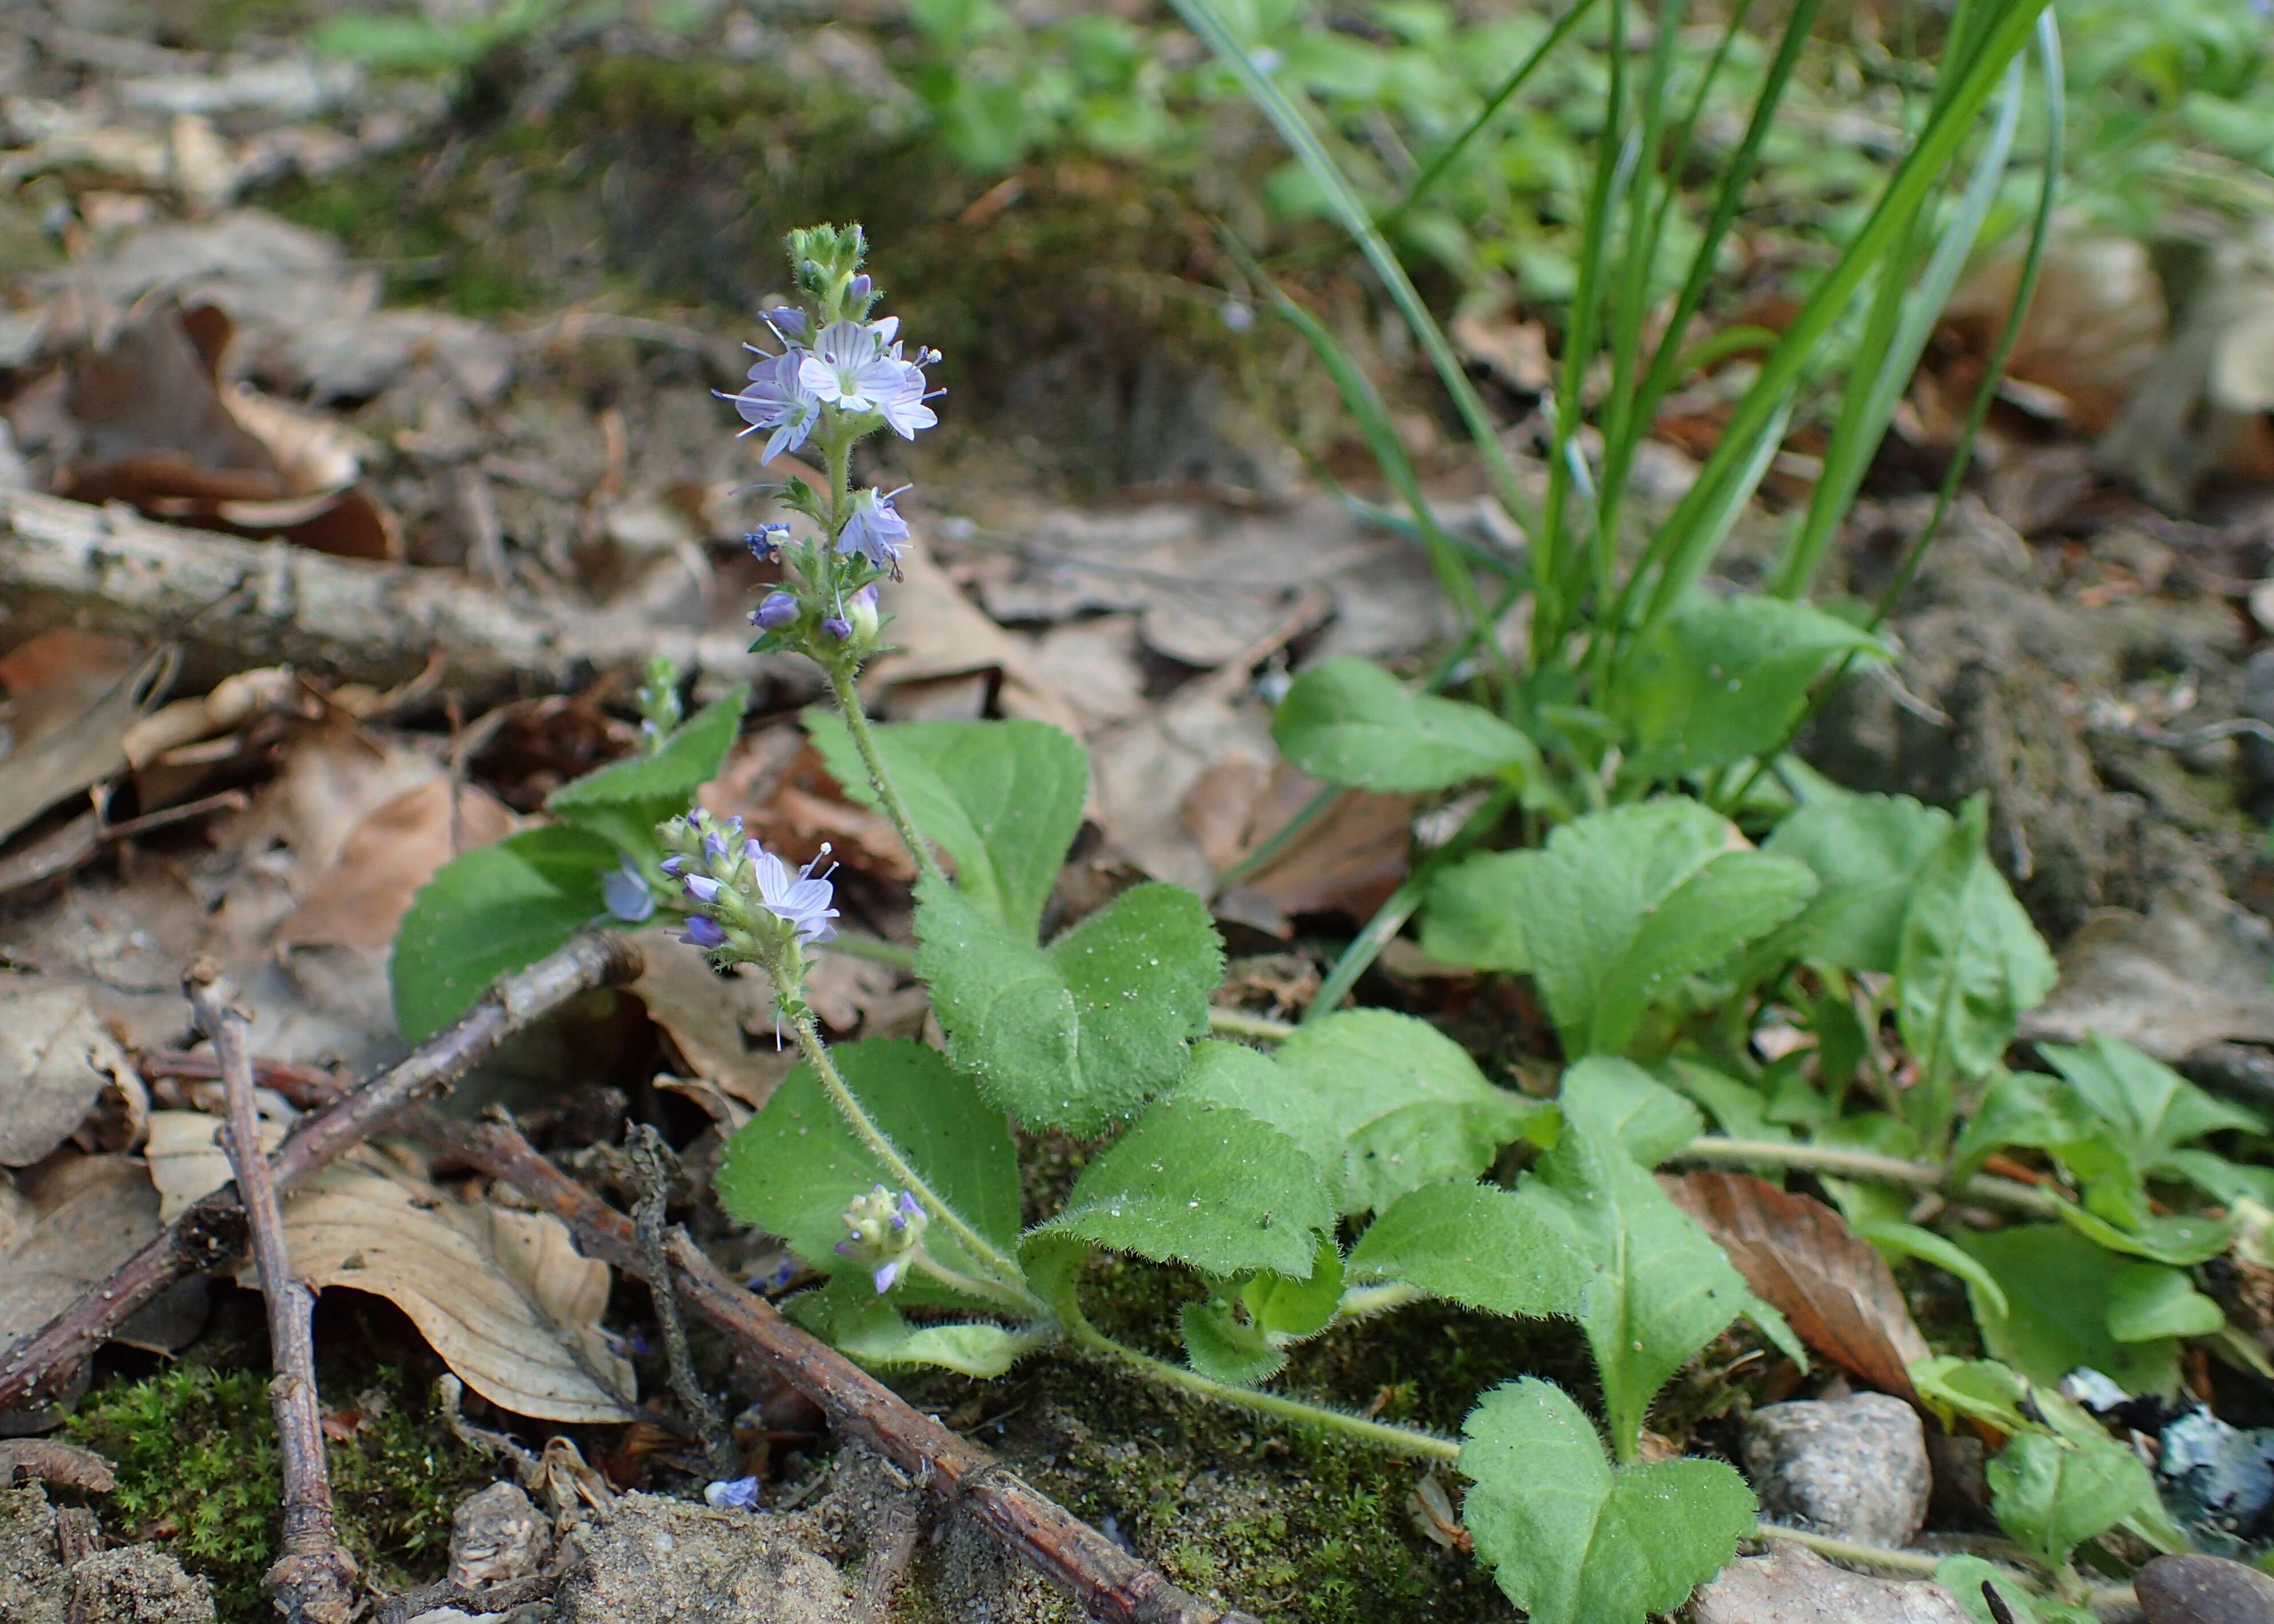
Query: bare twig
[313,1580]
[213,1230]
[66,563]
[652,1160]
[1113,1585]
[503,1598]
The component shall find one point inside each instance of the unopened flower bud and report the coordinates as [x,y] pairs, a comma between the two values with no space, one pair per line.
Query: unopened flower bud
[883,1231]
[703,933]
[837,628]
[786,319]
[859,287]
[779,609]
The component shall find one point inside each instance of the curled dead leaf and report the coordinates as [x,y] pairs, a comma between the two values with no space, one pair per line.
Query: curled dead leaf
[1799,1257]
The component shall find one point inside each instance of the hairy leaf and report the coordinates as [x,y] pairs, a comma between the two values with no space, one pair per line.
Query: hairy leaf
[1412,1106]
[1078,1034]
[1250,1080]
[2056,1283]
[1865,851]
[1474,916]
[849,1314]
[488,913]
[1224,1349]
[1294,1309]
[1838,1294]
[1207,1185]
[793,1167]
[1617,909]
[2052,1494]
[1646,1116]
[1574,1539]
[1003,799]
[1477,1245]
[626,799]
[1724,678]
[1350,721]
[1970,967]
[1659,1289]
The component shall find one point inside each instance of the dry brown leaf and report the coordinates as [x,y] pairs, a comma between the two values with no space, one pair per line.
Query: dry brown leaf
[503,1296]
[84,750]
[1799,1258]
[187,1162]
[56,1061]
[69,1224]
[361,897]
[711,1019]
[1347,859]
[937,632]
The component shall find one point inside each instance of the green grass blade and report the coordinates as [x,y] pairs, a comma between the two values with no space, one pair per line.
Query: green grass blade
[1680,551]
[1296,130]
[1917,305]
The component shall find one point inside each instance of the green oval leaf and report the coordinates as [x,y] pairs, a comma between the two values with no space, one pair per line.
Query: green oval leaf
[1350,721]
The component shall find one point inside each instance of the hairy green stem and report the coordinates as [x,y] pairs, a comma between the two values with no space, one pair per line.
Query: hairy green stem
[1843,1163]
[1241,1024]
[972,1285]
[864,1128]
[1410,1442]
[888,793]
[1365,1302]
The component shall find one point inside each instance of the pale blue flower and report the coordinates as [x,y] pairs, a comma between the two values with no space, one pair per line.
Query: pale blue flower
[777,398]
[626,892]
[849,369]
[732,1495]
[886,1275]
[875,530]
[787,321]
[801,900]
[765,541]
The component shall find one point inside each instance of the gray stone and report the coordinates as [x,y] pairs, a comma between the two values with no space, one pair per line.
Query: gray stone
[2203,1590]
[1853,1467]
[1790,1585]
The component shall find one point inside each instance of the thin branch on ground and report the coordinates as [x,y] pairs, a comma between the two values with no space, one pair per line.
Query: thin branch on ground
[489,1598]
[658,1171]
[1113,1585]
[313,1580]
[212,1232]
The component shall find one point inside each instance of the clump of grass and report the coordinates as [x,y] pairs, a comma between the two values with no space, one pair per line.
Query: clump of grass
[196,1453]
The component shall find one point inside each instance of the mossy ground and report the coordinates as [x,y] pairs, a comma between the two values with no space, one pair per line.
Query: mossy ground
[195,1449]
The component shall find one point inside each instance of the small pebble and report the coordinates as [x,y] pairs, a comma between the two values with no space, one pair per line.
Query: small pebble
[2203,1590]
[1853,1467]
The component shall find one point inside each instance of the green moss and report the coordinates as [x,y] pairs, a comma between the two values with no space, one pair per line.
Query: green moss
[197,1472]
